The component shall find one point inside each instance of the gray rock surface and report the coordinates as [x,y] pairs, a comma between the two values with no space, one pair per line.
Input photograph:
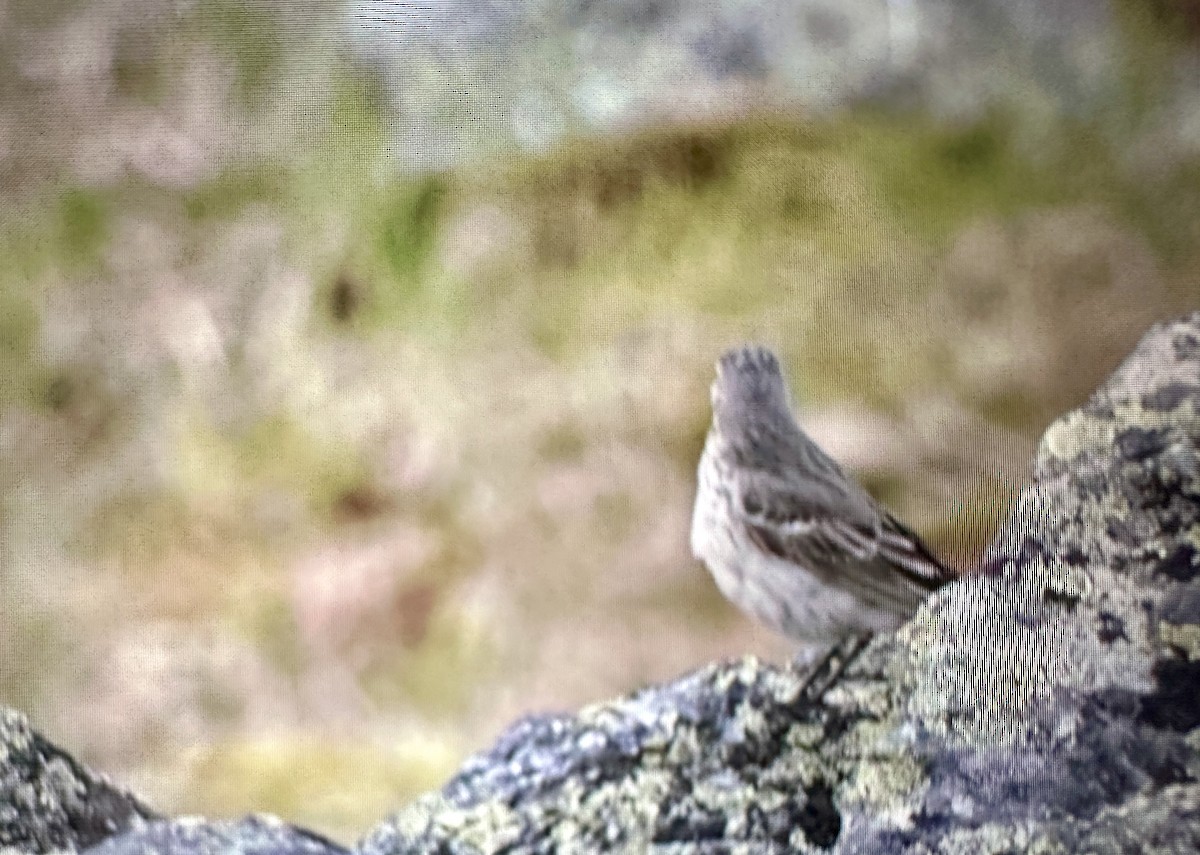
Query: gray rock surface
[254,835]
[1049,703]
[49,801]
[532,71]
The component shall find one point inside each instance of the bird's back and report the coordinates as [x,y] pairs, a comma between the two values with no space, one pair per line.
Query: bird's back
[787,535]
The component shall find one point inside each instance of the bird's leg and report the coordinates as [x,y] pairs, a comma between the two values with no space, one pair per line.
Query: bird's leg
[854,646]
[830,667]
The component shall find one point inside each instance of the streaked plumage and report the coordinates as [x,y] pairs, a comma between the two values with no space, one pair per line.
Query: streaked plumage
[787,535]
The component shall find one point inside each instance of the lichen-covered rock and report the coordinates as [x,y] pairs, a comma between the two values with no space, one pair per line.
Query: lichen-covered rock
[728,753]
[1055,699]
[49,801]
[254,835]
[1048,703]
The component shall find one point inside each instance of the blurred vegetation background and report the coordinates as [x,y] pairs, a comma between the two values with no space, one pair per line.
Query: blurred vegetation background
[354,359]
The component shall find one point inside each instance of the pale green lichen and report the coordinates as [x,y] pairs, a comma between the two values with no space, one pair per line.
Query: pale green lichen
[1185,637]
[1028,840]
[887,785]
[1074,434]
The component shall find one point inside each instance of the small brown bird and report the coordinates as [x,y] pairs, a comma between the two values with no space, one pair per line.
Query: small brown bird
[787,535]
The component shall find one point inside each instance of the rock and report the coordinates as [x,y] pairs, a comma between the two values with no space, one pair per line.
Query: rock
[49,801]
[531,73]
[254,835]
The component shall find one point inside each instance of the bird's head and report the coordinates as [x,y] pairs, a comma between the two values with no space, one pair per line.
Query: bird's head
[749,385]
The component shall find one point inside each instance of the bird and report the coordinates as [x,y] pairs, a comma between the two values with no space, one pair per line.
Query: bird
[787,535]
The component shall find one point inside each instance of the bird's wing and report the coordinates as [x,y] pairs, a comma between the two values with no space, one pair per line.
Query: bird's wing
[829,530]
[909,554]
[811,522]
